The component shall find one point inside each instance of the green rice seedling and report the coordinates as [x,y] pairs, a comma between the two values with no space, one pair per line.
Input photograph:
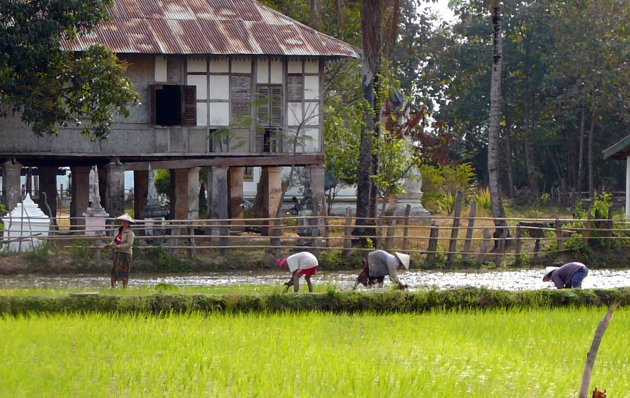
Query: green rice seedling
[446,354]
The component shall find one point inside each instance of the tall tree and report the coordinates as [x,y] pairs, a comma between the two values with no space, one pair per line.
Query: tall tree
[494,125]
[371,18]
[48,87]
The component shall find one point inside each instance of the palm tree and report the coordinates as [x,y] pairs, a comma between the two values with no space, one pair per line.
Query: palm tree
[495,121]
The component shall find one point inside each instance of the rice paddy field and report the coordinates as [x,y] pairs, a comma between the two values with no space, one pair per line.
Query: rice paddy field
[498,353]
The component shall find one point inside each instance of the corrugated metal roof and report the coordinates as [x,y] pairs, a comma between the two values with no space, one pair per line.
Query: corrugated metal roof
[222,27]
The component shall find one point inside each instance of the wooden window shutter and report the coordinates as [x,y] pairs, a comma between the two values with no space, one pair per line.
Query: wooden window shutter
[152,89]
[240,96]
[262,106]
[189,106]
[276,106]
[295,88]
[260,139]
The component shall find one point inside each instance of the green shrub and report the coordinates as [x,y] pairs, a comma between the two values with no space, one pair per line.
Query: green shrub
[39,257]
[161,258]
[576,244]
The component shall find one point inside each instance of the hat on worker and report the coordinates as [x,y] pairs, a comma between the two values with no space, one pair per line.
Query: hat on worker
[404,259]
[125,217]
[282,262]
[549,270]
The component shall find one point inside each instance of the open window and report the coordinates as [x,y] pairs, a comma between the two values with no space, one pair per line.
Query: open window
[269,139]
[173,105]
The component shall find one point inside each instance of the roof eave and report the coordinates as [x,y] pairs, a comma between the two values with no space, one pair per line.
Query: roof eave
[619,150]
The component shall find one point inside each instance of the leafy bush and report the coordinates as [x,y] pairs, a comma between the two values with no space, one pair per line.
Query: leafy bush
[576,244]
[39,257]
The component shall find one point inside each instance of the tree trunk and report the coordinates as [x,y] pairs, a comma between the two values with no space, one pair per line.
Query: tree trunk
[509,162]
[592,353]
[316,14]
[591,155]
[580,169]
[371,11]
[495,124]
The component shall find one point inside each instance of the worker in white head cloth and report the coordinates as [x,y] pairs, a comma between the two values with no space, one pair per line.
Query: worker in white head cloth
[379,263]
[569,276]
[302,263]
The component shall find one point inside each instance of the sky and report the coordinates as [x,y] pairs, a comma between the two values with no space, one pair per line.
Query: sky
[441,7]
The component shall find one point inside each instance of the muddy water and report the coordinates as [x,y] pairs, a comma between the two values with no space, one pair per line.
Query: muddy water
[509,280]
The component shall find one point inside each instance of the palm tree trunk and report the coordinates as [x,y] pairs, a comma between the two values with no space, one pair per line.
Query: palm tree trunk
[591,156]
[371,12]
[495,123]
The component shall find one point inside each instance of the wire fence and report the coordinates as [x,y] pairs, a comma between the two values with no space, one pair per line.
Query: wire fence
[469,239]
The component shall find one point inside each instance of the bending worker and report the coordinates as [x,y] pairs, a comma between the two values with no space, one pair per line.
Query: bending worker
[302,263]
[570,275]
[380,263]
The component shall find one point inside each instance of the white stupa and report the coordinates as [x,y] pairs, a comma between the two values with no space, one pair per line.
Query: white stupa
[26,226]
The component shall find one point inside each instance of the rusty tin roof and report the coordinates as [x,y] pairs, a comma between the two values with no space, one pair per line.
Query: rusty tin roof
[221,27]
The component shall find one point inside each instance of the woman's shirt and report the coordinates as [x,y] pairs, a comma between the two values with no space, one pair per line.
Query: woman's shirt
[124,242]
[381,263]
[302,260]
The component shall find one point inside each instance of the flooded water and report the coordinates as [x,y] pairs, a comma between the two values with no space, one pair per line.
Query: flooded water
[509,280]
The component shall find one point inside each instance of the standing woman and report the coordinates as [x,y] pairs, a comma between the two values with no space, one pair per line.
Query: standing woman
[123,249]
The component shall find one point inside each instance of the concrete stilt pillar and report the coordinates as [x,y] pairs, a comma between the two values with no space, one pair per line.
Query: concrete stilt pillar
[115,189]
[11,184]
[236,211]
[318,175]
[218,203]
[48,190]
[140,191]
[272,191]
[193,193]
[179,180]
[80,199]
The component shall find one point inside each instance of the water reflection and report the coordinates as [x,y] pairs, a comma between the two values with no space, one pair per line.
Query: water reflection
[508,280]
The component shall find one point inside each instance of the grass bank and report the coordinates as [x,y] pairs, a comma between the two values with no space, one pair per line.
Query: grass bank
[330,301]
[500,353]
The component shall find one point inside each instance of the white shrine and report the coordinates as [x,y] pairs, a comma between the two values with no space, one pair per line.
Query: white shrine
[26,227]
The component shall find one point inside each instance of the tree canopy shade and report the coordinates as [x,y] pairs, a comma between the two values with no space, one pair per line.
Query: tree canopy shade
[48,87]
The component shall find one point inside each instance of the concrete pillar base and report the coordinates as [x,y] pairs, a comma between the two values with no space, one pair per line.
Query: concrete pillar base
[140,191]
[272,191]
[236,210]
[80,195]
[48,191]
[115,189]
[11,184]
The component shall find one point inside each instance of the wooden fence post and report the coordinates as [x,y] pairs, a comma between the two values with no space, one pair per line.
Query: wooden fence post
[485,246]
[275,237]
[517,245]
[405,245]
[452,247]
[469,230]
[559,237]
[433,241]
[324,213]
[192,252]
[347,234]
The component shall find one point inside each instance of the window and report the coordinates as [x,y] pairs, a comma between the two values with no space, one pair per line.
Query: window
[240,96]
[173,105]
[248,174]
[269,105]
[269,140]
[295,88]
[219,140]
